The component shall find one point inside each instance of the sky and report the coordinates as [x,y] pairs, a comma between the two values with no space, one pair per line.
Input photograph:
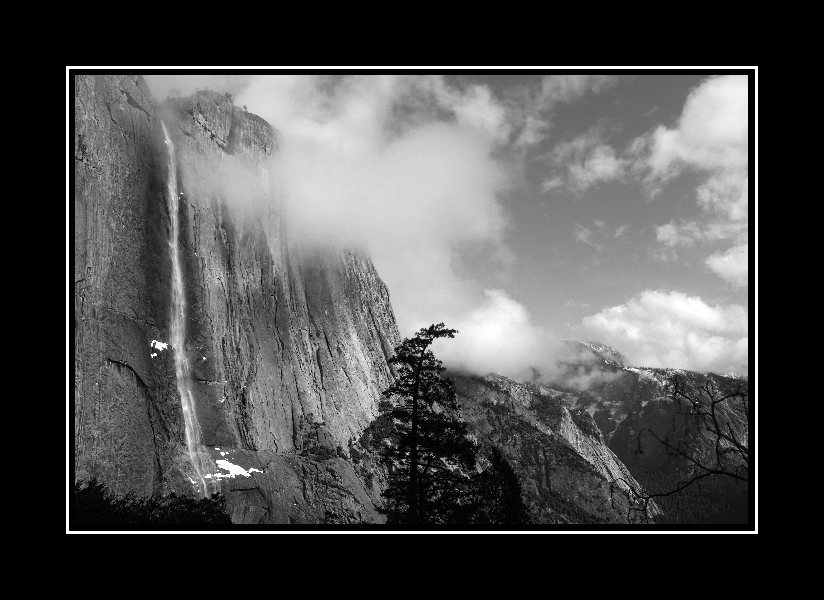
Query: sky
[523,210]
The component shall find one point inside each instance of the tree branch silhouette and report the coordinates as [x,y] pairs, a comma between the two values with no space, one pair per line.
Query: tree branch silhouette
[705,413]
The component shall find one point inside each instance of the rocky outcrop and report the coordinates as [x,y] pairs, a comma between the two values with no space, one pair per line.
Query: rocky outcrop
[567,473]
[629,400]
[632,406]
[282,338]
[609,354]
[268,488]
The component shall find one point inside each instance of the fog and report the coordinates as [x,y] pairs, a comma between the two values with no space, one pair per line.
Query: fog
[410,169]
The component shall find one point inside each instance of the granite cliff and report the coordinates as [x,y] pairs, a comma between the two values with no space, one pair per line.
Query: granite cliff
[287,344]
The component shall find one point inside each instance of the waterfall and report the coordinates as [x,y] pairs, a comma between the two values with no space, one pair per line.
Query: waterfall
[177,330]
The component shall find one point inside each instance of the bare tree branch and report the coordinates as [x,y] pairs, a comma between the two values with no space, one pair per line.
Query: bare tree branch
[711,414]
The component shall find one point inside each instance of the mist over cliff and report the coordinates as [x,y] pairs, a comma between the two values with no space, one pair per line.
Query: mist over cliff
[277,334]
[237,274]
[410,171]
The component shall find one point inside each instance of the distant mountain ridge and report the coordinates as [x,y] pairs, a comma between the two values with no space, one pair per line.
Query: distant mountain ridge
[627,403]
[567,472]
[608,353]
[627,399]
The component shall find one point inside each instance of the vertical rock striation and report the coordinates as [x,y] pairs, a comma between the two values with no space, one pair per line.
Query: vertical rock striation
[124,402]
[282,334]
[284,341]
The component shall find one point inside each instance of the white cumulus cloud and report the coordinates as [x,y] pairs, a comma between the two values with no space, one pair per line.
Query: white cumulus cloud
[712,133]
[584,162]
[732,265]
[711,138]
[672,329]
[497,336]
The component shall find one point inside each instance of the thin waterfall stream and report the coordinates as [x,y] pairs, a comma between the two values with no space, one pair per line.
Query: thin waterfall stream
[201,461]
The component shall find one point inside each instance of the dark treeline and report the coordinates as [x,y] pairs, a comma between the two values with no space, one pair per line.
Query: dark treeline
[716,501]
[95,504]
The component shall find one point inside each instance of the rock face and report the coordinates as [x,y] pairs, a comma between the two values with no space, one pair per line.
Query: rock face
[608,353]
[625,400]
[628,400]
[567,473]
[287,344]
[280,334]
[126,424]
[628,403]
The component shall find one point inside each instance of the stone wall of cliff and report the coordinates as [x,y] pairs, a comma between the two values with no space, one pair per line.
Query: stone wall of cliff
[628,403]
[280,334]
[126,425]
[567,472]
[285,341]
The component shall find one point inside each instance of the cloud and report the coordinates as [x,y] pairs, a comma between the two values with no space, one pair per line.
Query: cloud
[672,329]
[582,372]
[673,234]
[410,169]
[732,265]
[712,132]
[584,235]
[520,118]
[568,88]
[711,138]
[185,85]
[497,336]
[726,195]
[588,236]
[552,184]
[423,99]
[537,107]
[584,162]
[477,108]
[401,166]
[724,199]
[600,165]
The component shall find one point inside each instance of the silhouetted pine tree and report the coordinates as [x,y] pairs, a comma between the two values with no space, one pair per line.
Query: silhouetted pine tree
[422,437]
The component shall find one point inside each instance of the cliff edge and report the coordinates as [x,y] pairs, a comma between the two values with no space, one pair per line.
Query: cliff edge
[287,344]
